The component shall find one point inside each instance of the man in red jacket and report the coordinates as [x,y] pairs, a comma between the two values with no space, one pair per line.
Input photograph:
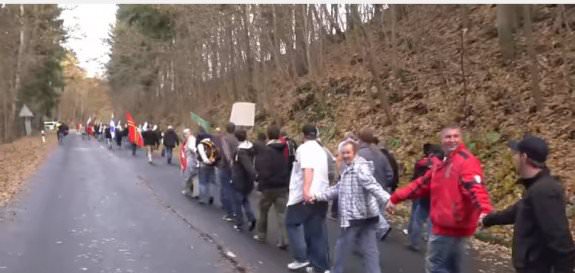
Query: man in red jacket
[458,201]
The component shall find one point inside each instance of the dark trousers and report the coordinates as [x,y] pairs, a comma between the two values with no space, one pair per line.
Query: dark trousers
[307,234]
[419,217]
[241,205]
[134,148]
[168,151]
[224,179]
[278,199]
[334,208]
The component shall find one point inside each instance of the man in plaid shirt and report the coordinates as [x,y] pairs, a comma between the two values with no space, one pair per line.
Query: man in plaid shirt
[360,200]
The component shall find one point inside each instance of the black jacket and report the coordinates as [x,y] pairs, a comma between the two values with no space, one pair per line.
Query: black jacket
[107,132]
[541,236]
[272,167]
[243,171]
[171,138]
[150,138]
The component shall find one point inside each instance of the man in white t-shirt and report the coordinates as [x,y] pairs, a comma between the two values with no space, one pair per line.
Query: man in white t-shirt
[308,245]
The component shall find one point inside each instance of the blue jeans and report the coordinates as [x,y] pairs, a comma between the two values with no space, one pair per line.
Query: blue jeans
[241,205]
[444,254]
[364,237]
[168,151]
[206,178]
[419,216]
[224,179]
[307,234]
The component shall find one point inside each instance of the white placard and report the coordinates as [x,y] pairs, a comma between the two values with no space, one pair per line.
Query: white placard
[243,114]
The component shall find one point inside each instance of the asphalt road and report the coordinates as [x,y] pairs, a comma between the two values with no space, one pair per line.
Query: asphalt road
[89,209]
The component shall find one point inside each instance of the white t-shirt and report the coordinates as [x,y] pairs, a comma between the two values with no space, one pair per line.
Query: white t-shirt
[310,155]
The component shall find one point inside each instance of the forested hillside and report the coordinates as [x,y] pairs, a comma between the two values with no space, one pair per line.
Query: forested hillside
[405,70]
[31,52]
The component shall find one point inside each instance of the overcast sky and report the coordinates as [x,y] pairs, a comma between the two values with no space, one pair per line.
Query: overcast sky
[88,27]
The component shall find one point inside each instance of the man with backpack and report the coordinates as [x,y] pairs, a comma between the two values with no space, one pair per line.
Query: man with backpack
[290,148]
[273,171]
[392,186]
[432,156]
[208,156]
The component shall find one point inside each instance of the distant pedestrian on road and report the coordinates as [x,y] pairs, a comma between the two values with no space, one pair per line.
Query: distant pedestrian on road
[151,141]
[108,136]
[360,198]
[119,135]
[542,242]
[208,156]
[243,178]
[171,140]
[458,199]
[305,219]
[273,171]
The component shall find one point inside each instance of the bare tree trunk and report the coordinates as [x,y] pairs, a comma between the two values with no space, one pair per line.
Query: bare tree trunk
[232,65]
[308,37]
[274,37]
[301,45]
[507,22]
[394,57]
[565,49]
[13,93]
[251,92]
[333,20]
[535,89]
[370,57]
[464,27]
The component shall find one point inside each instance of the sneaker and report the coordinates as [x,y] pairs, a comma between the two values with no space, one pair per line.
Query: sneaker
[185,192]
[412,248]
[211,201]
[238,228]
[295,265]
[282,246]
[259,238]
[227,218]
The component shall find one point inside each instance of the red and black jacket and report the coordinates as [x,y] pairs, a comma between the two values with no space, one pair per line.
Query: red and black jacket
[457,193]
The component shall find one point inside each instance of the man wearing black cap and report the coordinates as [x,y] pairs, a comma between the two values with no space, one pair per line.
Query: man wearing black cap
[308,245]
[542,242]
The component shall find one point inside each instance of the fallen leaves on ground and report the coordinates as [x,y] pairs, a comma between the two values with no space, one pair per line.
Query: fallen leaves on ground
[19,160]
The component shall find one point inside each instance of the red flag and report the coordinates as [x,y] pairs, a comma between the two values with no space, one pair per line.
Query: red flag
[183,160]
[133,135]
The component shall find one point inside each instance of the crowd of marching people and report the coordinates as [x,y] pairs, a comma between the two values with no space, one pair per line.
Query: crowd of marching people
[449,200]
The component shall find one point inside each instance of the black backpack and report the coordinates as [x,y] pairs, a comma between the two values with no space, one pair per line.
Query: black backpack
[394,167]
